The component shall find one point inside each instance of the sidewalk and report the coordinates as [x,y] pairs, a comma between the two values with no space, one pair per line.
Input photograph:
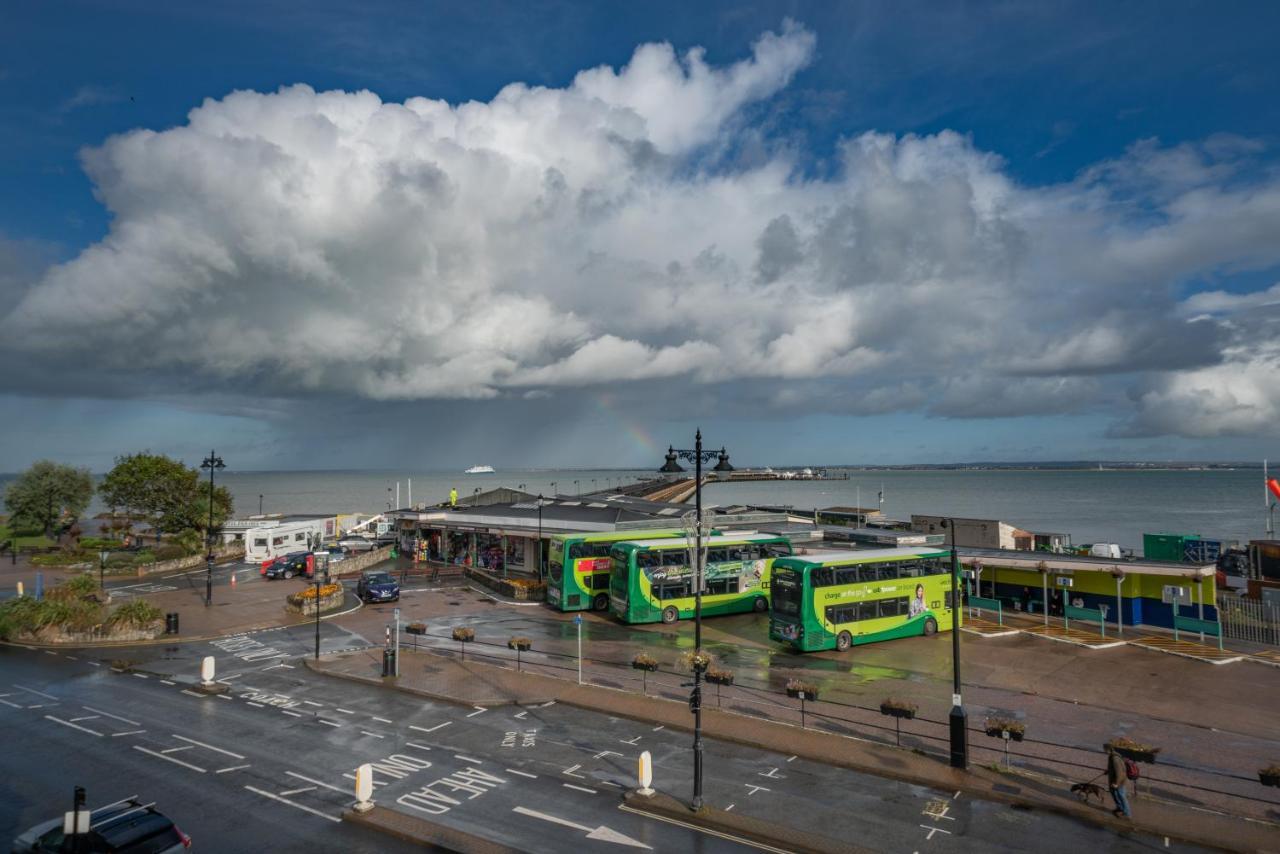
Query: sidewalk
[442,676]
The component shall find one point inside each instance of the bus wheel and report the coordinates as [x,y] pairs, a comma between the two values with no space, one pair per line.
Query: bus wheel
[670,614]
[600,603]
[761,605]
[930,626]
[843,641]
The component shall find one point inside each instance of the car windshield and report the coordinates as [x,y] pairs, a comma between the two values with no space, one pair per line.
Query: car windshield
[380,578]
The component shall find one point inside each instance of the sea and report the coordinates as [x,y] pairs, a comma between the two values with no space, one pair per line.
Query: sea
[1111,506]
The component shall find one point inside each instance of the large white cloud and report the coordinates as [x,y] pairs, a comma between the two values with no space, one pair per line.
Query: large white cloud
[304,242]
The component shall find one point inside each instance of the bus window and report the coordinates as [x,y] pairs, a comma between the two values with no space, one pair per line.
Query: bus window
[823,576]
[600,581]
[892,607]
[674,590]
[673,557]
[887,571]
[718,586]
[717,555]
[868,611]
[648,559]
[598,549]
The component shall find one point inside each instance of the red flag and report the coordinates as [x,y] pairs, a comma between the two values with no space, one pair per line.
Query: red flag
[1274,486]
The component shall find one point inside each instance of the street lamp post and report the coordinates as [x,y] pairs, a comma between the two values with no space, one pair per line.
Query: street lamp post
[957,718]
[577,487]
[553,489]
[259,503]
[316,578]
[102,568]
[697,456]
[539,536]
[213,462]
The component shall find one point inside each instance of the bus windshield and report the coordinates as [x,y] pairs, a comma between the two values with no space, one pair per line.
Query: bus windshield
[787,591]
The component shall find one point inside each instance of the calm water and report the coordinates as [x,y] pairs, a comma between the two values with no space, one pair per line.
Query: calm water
[1091,506]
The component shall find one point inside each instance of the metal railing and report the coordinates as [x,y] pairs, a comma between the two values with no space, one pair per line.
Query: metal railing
[1249,619]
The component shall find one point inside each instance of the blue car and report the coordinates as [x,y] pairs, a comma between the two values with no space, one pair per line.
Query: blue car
[378,587]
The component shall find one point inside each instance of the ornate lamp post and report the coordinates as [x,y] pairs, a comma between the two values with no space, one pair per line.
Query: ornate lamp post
[697,456]
[213,463]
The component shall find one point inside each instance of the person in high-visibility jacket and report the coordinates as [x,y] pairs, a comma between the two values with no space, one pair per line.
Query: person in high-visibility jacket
[453,497]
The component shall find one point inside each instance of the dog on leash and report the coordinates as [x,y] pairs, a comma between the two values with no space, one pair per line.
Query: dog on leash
[1084,791]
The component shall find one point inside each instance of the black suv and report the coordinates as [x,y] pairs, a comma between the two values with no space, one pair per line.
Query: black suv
[287,566]
[127,827]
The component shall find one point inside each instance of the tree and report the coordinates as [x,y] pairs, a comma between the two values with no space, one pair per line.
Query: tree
[48,496]
[166,492]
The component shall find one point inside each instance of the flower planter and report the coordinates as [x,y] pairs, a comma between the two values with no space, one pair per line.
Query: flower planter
[802,692]
[997,727]
[416,628]
[718,677]
[519,644]
[645,665]
[998,732]
[1269,777]
[1136,753]
[896,711]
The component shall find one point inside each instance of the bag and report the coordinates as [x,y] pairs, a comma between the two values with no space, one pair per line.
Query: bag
[1131,770]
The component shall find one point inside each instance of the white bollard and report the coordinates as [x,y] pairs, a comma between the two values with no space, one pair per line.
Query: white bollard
[206,671]
[644,771]
[19,589]
[364,788]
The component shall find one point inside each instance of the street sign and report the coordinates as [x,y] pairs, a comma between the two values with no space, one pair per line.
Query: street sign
[75,822]
[1063,581]
[364,787]
[206,670]
[577,619]
[1173,594]
[644,771]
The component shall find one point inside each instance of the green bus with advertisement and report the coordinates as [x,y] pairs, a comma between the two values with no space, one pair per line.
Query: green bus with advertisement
[578,567]
[839,599]
[652,580]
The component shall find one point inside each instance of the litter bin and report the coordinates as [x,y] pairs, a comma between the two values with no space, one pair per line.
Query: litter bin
[388,662]
[171,623]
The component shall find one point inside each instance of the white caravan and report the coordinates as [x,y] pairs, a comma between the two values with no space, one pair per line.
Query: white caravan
[269,542]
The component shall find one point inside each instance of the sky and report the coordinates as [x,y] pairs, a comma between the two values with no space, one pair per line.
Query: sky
[327,235]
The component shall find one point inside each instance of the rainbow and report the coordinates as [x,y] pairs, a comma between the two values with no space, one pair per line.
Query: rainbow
[632,429]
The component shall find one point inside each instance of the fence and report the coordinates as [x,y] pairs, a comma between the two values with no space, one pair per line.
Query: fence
[1171,780]
[1249,619]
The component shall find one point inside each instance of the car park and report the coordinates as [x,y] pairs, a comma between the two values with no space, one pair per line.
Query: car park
[378,586]
[127,827]
[290,565]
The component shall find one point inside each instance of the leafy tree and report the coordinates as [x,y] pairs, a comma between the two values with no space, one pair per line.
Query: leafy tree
[166,492]
[48,496]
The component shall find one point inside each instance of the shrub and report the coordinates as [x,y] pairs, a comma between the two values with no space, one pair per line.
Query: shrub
[644,662]
[463,634]
[416,628]
[136,613]
[64,558]
[997,726]
[170,551]
[74,588]
[97,544]
[69,606]
[797,686]
[716,676]
[695,660]
[519,643]
[893,705]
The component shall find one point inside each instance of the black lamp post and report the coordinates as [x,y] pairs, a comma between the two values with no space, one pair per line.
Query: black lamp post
[213,462]
[259,503]
[578,488]
[539,536]
[958,722]
[553,489]
[697,456]
[102,568]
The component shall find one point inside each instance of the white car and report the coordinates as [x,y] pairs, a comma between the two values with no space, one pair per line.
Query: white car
[357,544]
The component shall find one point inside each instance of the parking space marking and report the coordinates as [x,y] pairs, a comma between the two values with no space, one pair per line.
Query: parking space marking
[932,830]
[207,746]
[479,710]
[318,783]
[468,759]
[379,720]
[329,723]
[312,703]
[232,768]
[169,758]
[415,744]
[754,788]
[34,691]
[426,728]
[291,714]
[346,711]
[632,741]
[169,750]
[130,732]
[522,773]
[579,788]
[568,772]
[73,726]
[302,807]
[373,734]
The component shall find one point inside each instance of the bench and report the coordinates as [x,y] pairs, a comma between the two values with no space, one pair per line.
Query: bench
[1194,624]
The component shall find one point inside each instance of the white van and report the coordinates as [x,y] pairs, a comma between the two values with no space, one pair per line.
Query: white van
[271,542]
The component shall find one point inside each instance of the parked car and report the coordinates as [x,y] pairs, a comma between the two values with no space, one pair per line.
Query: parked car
[287,566]
[336,553]
[378,587]
[127,826]
[356,544]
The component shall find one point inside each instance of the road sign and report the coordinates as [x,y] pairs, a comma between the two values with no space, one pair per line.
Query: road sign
[644,770]
[207,670]
[577,619]
[1063,581]
[1173,594]
[75,822]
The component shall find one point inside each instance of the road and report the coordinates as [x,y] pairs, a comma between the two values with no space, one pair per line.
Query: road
[269,762]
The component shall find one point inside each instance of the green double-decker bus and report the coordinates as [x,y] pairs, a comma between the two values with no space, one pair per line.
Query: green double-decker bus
[652,580]
[838,599]
[578,567]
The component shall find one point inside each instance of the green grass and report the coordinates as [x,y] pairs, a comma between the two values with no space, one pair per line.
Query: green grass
[38,541]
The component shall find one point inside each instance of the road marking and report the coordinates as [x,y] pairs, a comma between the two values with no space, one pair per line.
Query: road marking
[312,703]
[415,744]
[605,753]
[754,788]
[87,718]
[790,758]
[142,675]
[601,833]
[730,807]
[318,783]
[226,680]
[292,804]
[579,788]
[123,720]
[224,696]
[34,691]
[169,758]
[274,666]
[130,732]
[74,726]
[374,734]
[425,728]
[772,774]
[346,711]
[479,710]
[659,727]
[298,791]
[176,749]
[72,657]
[380,720]
[207,746]
[94,664]
[521,715]
[291,714]
[547,703]
[522,773]
[468,759]
[329,723]
[167,682]
[255,705]
[738,839]
[192,693]
[47,652]
[15,705]
[932,830]
[232,768]
[569,771]
[631,741]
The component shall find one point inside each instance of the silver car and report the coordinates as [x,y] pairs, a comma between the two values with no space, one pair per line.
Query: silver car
[127,827]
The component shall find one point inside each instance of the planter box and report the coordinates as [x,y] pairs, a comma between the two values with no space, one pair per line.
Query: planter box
[897,711]
[416,629]
[726,679]
[307,607]
[1014,735]
[523,647]
[1269,779]
[795,693]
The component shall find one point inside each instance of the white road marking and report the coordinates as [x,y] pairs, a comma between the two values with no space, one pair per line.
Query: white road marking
[602,833]
[329,723]
[297,791]
[34,691]
[48,652]
[292,804]
[142,675]
[255,705]
[176,749]
[94,664]
[790,758]
[226,680]
[605,753]
[932,830]
[207,746]
[291,714]
[15,705]
[224,696]
[192,693]
[318,783]
[169,758]
[380,720]
[468,759]
[72,657]
[87,718]
[631,741]
[739,840]
[374,734]
[479,710]
[426,728]
[167,682]
[730,807]
[659,727]
[754,788]
[346,711]
[772,774]
[568,772]
[579,788]
[522,773]
[123,720]
[73,726]
[130,732]
[232,768]
[415,744]
[312,703]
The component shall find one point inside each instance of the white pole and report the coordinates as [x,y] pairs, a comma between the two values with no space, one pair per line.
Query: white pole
[397,495]
[397,618]
[410,492]
[579,622]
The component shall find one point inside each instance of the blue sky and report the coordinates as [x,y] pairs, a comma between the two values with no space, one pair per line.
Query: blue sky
[1126,127]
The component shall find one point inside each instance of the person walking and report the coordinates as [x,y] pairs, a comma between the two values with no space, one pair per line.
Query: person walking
[1116,781]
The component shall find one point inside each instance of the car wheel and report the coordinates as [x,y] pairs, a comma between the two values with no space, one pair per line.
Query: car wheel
[600,603]
[670,614]
[288,573]
[761,604]
[843,641]
[930,626]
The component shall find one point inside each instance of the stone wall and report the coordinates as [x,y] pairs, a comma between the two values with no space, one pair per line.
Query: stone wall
[222,553]
[359,563]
